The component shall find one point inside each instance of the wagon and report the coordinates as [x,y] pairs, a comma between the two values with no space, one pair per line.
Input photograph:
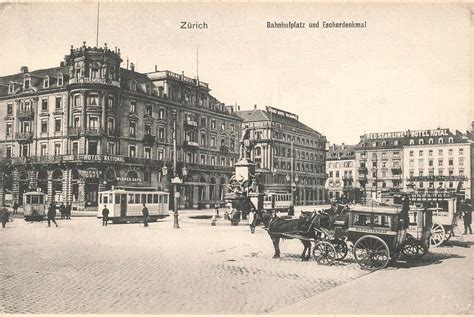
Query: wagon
[379,235]
[443,206]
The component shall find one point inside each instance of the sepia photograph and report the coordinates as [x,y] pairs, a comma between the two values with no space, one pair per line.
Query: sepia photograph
[244,158]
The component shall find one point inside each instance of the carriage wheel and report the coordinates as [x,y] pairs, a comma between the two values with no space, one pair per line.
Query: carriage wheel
[371,252]
[438,235]
[341,249]
[447,236]
[324,253]
[413,250]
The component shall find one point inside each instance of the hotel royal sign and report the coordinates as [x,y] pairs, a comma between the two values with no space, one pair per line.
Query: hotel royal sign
[409,133]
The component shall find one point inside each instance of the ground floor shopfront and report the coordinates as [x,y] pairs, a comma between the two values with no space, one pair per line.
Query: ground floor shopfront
[79,179]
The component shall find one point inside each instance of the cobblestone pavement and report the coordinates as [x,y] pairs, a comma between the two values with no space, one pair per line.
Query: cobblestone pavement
[82,267]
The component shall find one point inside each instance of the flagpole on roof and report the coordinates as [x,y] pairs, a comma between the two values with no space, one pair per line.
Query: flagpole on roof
[97,34]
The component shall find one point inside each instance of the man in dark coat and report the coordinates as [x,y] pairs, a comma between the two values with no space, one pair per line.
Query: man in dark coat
[4,216]
[467,216]
[52,214]
[105,216]
[145,215]
[15,207]
[62,210]
[404,213]
[68,211]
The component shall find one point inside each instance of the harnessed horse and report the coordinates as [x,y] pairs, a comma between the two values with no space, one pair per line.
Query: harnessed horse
[302,228]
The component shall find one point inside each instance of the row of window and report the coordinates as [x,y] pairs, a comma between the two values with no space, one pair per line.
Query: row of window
[286,152]
[440,152]
[304,167]
[347,174]
[440,173]
[297,140]
[440,162]
[395,164]
[340,164]
[46,83]
[384,155]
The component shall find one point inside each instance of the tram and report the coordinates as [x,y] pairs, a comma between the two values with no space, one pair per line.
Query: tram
[126,204]
[34,206]
[278,201]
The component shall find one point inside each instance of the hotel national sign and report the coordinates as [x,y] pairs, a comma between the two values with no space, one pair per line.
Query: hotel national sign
[94,158]
[409,133]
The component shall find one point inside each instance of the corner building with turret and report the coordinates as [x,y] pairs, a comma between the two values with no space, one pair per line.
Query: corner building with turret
[89,124]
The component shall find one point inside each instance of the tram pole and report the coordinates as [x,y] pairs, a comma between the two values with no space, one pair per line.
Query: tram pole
[175,172]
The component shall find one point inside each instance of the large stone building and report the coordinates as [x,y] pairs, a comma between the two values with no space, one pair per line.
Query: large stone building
[287,151]
[341,170]
[427,160]
[90,124]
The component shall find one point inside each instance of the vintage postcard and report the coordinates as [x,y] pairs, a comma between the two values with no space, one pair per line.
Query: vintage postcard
[211,158]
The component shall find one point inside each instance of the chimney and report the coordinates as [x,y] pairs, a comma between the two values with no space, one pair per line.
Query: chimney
[255,107]
[132,67]
[342,146]
[156,68]
[238,108]
[333,147]
[61,64]
[24,69]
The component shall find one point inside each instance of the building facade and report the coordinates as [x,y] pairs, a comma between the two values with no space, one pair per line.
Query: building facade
[438,160]
[426,160]
[74,130]
[287,153]
[341,170]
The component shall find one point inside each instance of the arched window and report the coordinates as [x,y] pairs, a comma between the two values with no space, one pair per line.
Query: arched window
[133,86]
[450,140]
[440,140]
[412,142]
[430,141]
[420,141]
[384,143]
[258,151]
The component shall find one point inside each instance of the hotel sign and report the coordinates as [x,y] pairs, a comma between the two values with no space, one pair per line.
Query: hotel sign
[94,158]
[409,133]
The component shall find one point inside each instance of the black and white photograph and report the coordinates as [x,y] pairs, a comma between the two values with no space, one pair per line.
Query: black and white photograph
[236,158]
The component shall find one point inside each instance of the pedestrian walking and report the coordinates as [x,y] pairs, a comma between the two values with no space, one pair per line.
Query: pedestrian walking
[52,214]
[145,215]
[467,216]
[216,210]
[214,216]
[4,216]
[15,207]
[68,210]
[62,210]
[105,216]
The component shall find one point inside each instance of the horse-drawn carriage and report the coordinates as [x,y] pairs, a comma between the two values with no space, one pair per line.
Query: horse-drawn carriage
[376,235]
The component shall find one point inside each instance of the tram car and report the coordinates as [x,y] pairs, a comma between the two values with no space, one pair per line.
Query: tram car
[125,205]
[277,201]
[34,206]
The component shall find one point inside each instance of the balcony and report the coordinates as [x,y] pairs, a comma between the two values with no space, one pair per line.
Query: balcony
[149,140]
[101,81]
[361,178]
[396,170]
[190,143]
[24,136]
[362,170]
[191,123]
[224,149]
[93,132]
[26,114]
[74,132]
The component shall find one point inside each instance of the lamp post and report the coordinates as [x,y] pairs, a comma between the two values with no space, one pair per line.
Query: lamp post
[176,180]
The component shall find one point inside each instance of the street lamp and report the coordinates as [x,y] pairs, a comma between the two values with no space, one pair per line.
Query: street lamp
[175,182]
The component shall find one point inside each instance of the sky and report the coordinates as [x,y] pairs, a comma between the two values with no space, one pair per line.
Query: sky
[410,68]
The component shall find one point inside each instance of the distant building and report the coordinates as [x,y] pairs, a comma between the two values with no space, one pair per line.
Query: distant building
[288,152]
[341,171]
[426,160]
[89,124]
